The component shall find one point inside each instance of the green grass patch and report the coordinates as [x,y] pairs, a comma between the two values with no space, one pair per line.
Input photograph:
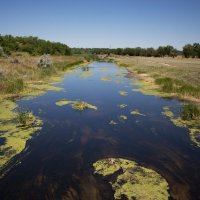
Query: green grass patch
[78,105]
[11,85]
[25,118]
[190,112]
[170,85]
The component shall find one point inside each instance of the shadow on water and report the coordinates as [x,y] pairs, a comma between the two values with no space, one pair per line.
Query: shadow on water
[57,163]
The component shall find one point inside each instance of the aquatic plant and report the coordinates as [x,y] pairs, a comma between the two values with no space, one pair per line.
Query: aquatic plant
[81,105]
[107,78]
[136,112]
[64,102]
[123,117]
[25,118]
[123,93]
[112,122]
[132,181]
[104,70]
[78,105]
[85,75]
[170,85]
[85,68]
[167,112]
[190,112]
[119,81]
[15,134]
[191,123]
[122,105]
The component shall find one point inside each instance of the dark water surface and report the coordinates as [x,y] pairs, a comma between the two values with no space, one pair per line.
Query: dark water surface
[57,163]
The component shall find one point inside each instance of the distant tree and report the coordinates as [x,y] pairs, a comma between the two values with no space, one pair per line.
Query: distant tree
[188,51]
[196,49]
[32,45]
[160,51]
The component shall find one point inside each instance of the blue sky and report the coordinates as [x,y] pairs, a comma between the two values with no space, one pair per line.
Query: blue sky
[104,23]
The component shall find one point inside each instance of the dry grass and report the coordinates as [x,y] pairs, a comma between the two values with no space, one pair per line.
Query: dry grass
[185,69]
[19,69]
[178,76]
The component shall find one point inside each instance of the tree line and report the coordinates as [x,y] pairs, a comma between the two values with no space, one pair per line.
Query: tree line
[192,51]
[32,45]
[189,50]
[36,46]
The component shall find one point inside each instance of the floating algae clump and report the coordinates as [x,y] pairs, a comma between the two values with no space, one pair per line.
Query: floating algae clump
[112,122]
[15,130]
[136,112]
[123,117]
[78,105]
[132,181]
[107,78]
[64,102]
[148,87]
[85,75]
[123,93]
[122,105]
[192,125]
[81,105]
[167,112]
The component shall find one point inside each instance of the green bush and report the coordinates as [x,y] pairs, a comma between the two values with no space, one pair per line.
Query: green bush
[190,112]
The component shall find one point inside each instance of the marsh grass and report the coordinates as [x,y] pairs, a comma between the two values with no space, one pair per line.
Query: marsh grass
[11,85]
[25,118]
[170,85]
[190,112]
[15,76]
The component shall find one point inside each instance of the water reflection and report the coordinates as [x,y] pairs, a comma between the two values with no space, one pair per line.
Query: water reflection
[57,164]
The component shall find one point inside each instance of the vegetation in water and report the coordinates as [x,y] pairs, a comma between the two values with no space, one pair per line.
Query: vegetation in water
[167,112]
[123,117]
[186,120]
[106,78]
[85,75]
[136,112]
[132,181]
[78,105]
[85,68]
[25,118]
[122,105]
[112,122]
[170,85]
[190,112]
[123,93]
[16,129]
[81,105]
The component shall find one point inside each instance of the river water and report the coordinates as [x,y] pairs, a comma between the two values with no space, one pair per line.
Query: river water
[57,162]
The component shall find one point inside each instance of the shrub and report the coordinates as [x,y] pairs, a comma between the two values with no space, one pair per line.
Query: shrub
[1,52]
[45,61]
[25,118]
[190,112]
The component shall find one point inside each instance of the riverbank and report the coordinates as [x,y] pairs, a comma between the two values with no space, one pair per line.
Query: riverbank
[169,78]
[173,77]
[21,77]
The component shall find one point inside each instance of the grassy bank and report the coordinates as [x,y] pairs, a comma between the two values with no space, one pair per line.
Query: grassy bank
[172,78]
[177,77]
[20,76]
[18,71]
